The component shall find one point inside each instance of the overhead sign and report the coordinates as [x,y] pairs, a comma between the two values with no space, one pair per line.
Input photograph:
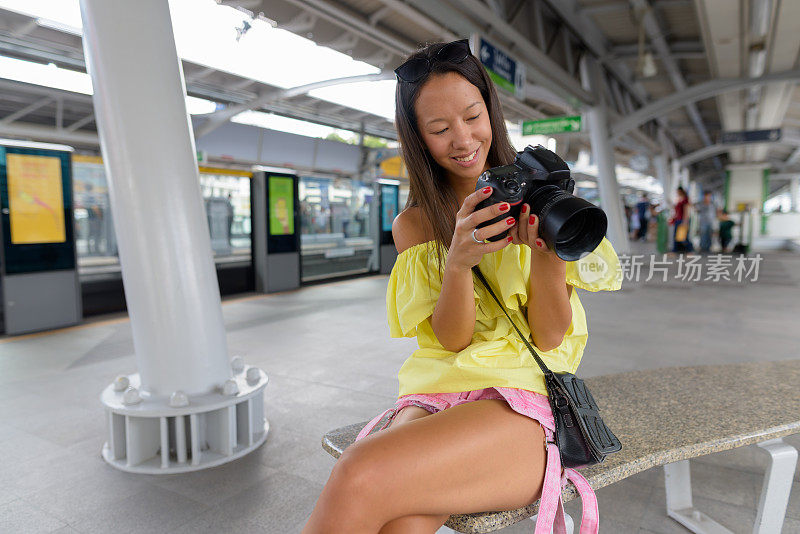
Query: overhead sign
[751,136]
[552,126]
[505,71]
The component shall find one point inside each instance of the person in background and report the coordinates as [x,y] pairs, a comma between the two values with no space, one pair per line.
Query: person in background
[725,230]
[706,217]
[643,211]
[629,218]
[635,224]
[229,217]
[680,217]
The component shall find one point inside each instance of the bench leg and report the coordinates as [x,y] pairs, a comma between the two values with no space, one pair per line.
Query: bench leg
[774,494]
[777,485]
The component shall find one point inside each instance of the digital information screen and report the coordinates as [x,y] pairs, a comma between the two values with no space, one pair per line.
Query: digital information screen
[281,205]
[36,224]
[35,200]
[389,204]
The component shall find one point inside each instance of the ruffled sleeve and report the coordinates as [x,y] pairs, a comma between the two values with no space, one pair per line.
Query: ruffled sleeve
[597,271]
[414,287]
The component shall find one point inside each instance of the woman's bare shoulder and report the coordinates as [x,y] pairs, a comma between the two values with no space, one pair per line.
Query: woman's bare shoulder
[409,229]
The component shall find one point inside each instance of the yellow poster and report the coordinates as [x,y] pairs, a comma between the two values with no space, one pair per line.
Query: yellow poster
[35,199]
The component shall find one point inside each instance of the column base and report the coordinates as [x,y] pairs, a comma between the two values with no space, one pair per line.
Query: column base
[180,433]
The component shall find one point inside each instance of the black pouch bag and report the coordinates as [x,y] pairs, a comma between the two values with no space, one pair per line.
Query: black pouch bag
[582,437]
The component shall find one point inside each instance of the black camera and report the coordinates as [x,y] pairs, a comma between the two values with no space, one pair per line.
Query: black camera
[571,226]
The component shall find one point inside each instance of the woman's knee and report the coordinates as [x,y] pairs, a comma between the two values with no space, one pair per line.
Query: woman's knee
[359,471]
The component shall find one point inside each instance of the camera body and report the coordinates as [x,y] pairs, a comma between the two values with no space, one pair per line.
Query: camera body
[571,226]
[533,168]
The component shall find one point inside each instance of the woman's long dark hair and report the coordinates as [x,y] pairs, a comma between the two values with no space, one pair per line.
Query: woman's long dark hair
[429,189]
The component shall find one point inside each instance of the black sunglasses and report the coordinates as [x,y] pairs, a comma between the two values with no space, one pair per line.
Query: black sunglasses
[414,69]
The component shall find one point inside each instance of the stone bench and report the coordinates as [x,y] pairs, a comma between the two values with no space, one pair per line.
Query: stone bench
[668,416]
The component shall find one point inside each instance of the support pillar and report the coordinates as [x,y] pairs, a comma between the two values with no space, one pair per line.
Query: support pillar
[603,155]
[676,178]
[168,270]
[794,191]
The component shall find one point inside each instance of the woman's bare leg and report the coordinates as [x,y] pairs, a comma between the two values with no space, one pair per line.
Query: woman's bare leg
[413,524]
[470,458]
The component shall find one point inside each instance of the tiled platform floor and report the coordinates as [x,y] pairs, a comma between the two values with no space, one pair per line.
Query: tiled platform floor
[330,361]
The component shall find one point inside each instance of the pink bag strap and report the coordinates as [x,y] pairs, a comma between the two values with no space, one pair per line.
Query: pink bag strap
[369,426]
[551,506]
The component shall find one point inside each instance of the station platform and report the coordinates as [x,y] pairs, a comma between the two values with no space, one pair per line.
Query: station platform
[330,362]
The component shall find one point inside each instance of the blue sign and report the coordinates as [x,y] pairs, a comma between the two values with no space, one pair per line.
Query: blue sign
[751,136]
[504,70]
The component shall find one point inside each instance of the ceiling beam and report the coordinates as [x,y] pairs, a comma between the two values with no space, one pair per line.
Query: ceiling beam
[8,119]
[218,118]
[694,93]
[656,35]
[538,64]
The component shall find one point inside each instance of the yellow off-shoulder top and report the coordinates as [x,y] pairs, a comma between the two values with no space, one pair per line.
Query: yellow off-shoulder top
[496,357]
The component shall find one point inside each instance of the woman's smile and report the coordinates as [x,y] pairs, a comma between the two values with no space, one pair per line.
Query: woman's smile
[468,160]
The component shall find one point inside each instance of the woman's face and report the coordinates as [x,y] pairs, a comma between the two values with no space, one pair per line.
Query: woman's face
[454,124]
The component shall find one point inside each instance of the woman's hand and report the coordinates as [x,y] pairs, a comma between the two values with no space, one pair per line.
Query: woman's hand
[527,232]
[464,251]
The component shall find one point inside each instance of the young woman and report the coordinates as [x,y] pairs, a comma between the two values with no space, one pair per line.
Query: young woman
[680,218]
[472,428]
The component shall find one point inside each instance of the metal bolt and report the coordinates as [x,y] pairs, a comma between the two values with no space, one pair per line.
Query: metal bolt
[237,364]
[253,375]
[230,387]
[131,396]
[121,383]
[178,399]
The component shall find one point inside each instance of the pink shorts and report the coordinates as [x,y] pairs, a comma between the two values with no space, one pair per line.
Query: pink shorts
[533,405]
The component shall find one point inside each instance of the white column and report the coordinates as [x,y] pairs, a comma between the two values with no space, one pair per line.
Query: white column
[603,155]
[164,247]
[676,177]
[794,189]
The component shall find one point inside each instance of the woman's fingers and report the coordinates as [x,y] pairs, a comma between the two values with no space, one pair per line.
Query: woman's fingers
[494,229]
[522,227]
[486,214]
[473,200]
[533,233]
[494,246]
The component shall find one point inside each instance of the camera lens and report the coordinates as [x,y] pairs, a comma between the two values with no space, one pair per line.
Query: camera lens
[571,226]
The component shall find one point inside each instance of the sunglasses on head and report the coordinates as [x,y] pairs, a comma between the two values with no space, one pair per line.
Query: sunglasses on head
[414,69]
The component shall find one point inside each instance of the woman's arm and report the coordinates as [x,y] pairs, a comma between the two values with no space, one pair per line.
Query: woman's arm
[453,319]
[549,310]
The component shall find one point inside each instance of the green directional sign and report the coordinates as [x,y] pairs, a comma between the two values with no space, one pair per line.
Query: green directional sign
[552,126]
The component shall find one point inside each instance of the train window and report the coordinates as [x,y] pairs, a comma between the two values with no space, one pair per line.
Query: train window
[337,234]
[226,200]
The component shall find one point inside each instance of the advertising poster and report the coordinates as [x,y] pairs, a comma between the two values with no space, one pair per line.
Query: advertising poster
[389,200]
[281,205]
[36,202]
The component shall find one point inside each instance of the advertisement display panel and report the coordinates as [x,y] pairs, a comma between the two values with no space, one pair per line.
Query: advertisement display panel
[35,200]
[36,208]
[281,205]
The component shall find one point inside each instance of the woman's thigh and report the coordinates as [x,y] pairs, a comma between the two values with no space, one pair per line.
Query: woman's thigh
[470,458]
[412,524]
